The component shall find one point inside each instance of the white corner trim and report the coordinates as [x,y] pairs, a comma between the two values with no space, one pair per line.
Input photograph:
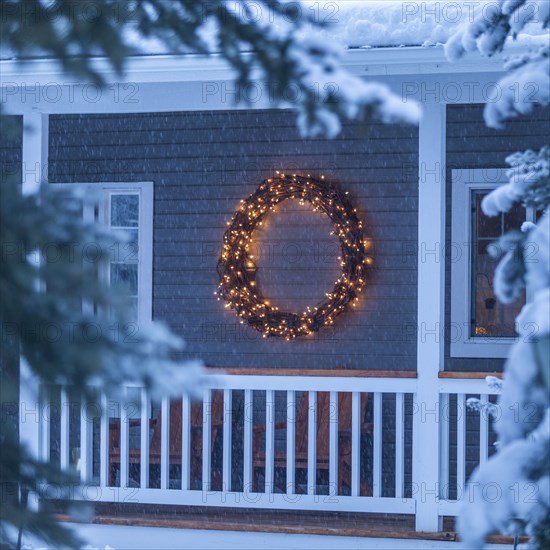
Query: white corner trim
[34,169]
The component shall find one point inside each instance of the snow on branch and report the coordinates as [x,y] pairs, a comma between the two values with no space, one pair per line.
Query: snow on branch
[526,85]
[527,82]
[339,94]
[529,183]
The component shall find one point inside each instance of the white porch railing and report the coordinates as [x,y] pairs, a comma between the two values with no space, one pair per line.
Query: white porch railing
[467,439]
[288,442]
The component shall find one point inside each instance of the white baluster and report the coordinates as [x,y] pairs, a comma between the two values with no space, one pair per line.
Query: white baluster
[64,430]
[164,442]
[312,443]
[483,430]
[144,439]
[206,439]
[104,442]
[45,422]
[269,440]
[461,444]
[185,442]
[86,442]
[355,443]
[333,445]
[377,446]
[247,454]
[399,445]
[124,438]
[227,423]
[290,441]
[444,445]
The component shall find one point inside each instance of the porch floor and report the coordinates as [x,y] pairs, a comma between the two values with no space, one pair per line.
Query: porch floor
[124,537]
[208,527]
[267,520]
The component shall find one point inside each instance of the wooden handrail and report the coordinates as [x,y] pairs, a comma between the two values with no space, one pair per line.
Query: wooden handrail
[254,371]
[469,375]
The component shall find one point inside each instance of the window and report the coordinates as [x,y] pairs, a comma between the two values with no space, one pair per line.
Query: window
[124,259]
[481,326]
[128,210]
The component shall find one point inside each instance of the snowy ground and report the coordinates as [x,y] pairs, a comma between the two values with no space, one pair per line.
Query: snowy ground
[107,537]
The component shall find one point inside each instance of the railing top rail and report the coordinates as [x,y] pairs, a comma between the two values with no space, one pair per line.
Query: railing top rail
[468,375]
[312,383]
[466,385]
[339,372]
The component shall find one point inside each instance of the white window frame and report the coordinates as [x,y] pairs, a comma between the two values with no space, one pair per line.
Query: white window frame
[464,181]
[103,191]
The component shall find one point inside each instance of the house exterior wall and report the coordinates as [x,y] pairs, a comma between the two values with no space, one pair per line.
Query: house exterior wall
[471,144]
[241,148]
[202,164]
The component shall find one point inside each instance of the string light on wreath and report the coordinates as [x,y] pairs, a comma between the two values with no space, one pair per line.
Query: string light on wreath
[237,269]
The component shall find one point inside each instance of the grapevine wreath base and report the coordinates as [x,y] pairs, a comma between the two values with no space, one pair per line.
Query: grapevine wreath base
[237,270]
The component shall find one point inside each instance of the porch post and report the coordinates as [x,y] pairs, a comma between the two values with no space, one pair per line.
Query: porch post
[430,323]
[33,173]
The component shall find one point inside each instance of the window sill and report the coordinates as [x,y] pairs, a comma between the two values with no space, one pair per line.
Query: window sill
[483,348]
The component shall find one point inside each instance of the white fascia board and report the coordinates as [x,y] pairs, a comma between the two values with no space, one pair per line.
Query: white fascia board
[145,69]
[190,68]
[416,60]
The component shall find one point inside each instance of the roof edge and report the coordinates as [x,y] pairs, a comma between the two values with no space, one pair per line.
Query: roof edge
[196,67]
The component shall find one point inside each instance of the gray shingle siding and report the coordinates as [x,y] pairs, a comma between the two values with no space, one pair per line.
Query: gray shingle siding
[202,164]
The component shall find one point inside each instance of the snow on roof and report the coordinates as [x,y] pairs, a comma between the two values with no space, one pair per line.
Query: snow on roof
[358,24]
[379,23]
[370,23]
[399,23]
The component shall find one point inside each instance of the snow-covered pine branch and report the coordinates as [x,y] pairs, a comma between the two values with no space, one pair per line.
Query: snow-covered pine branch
[529,183]
[275,43]
[527,82]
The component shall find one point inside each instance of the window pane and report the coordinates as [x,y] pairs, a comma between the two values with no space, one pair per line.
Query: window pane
[489,316]
[124,210]
[125,246]
[133,313]
[125,276]
[514,218]
[131,247]
[485,226]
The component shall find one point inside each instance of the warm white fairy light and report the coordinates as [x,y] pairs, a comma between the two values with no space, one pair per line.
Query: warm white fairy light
[237,270]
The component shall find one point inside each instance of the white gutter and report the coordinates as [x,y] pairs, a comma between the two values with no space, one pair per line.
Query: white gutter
[193,68]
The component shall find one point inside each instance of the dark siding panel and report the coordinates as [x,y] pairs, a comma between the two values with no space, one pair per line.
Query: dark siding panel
[11,148]
[202,164]
[470,144]
[10,173]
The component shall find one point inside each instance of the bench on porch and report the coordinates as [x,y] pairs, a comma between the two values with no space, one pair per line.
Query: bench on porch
[175,439]
[324,415]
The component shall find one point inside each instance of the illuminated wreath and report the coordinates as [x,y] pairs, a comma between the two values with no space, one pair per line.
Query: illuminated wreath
[237,270]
